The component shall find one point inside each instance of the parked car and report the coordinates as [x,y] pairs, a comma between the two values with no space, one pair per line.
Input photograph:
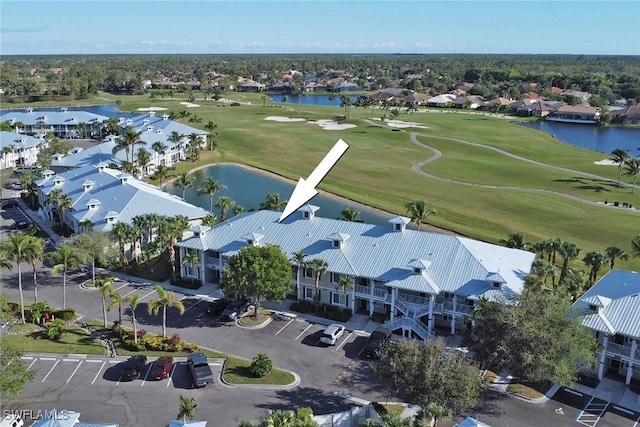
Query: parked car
[16,186]
[332,334]
[161,368]
[23,169]
[133,367]
[21,225]
[9,203]
[218,306]
[235,309]
[200,370]
[375,342]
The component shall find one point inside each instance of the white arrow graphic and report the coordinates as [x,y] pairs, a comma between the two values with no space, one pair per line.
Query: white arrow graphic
[305,190]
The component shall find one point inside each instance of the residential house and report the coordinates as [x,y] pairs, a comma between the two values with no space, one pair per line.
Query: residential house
[575,114]
[282,87]
[527,107]
[416,280]
[64,123]
[470,101]
[102,197]
[348,87]
[250,86]
[441,101]
[17,149]
[498,103]
[612,308]
[582,96]
[631,115]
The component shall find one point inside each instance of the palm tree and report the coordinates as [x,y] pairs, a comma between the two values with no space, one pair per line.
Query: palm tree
[131,137]
[568,251]
[195,142]
[161,173]
[165,300]
[34,253]
[389,420]
[63,205]
[273,203]
[16,248]
[184,181]
[614,252]
[344,285]
[320,267]
[116,299]
[224,203]
[120,231]
[619,156]
[191,259]
[299,260]
[105,287]
[575,282]
[352,215]
[279,418]
[345,101]
[237,209]
[595,260]
[175,137]
[632,168]
[419,211]
[210,186]
[5,153]
[64,259]
[159,147]
[171,230]
[210,220]
[133,301]
[144,158]
[635,246]
[542,269]
[436,413]
[188,407]
[515,241]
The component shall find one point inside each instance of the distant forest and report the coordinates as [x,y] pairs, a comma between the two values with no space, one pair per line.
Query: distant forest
[608,78]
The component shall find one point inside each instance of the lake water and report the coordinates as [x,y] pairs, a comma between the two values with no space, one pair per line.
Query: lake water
[597,138]
[317,100]
[249,188]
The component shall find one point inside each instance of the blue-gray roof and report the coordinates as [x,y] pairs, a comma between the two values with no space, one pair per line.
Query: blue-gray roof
[617,296]
[155,128]
[126,199]
[61,117]
[18,141]
[378,252]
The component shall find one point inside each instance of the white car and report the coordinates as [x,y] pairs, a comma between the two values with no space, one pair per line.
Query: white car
[332,334]
[16,186]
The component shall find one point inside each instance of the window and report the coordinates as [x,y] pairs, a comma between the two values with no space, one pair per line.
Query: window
[335,278]
[417,270]
[448,295]
[397,227]
[308,272]
[593,307]
[309,293]
[338,298]
[336,243]
[306,214]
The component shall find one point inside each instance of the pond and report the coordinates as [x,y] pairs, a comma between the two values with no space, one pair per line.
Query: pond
[249,188]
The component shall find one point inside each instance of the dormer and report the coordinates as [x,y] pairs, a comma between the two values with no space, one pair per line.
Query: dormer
[145,122]
[88,185]
[129,122]
[308,211]
[93,204]
[102,166]
[158,131]
[111,217]
[165,117]
[64,109]
[152,113]
[338,239]
[29,110]
[149,128]
[419,266]
[23,140]
[48,173]
[495,280]
[253,239]
[596,302]
[399,223]
[58,181]
[124,178]
[200,230]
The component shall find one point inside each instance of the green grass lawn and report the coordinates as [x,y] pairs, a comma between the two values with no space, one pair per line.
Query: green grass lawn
[237,372]
[74,341]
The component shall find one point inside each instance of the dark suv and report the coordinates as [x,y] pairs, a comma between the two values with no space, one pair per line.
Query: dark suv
[375,342]
[133,367]
[235,309]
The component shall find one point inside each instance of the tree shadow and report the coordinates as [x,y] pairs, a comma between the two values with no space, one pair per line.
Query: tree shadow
[320,401]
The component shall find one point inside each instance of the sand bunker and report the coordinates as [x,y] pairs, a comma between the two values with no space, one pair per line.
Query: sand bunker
[399,124]
[283,119]
[332,125]
[189,104]
[152,109]
[606,162]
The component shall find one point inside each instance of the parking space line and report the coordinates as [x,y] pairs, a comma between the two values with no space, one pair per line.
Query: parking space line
[145,377]
[32,362]
[120,287]
[193,305]
[74,371]
[93,361]
[588,416]
[70,360]
[98,373]
[26,358]
[171,374]
[143,297]
[50,359]
[50,370]
[282,329]
[301,333]
[342,343]
[637,422]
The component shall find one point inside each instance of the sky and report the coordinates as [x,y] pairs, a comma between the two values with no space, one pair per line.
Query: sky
[52,27]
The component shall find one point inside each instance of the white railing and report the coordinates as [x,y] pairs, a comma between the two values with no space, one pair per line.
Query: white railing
[637,355]
[464,308]
[213,262]
[364,290]
[380,293]
[411,309]
[412,324]
[620,349]
[413,299]
[437,307]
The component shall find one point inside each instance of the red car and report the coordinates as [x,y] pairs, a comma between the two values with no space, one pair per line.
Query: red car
[161,368]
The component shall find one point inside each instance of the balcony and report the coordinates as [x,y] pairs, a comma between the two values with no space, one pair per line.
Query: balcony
[414,299]
[213,262]
[378,293]
[619,349]
[460,308]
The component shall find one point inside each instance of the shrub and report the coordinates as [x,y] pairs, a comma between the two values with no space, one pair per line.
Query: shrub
[261,365]
[56,329]
[141,334]
[304,414]
[175,339]
[66,315]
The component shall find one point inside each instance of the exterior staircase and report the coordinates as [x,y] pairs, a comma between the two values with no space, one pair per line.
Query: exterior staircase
[410,324]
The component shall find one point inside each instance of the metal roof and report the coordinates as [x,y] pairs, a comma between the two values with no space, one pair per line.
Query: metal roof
[18,141]
[377,251]
[622,313]
[62,117]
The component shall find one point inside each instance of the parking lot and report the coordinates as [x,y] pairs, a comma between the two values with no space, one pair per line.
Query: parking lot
[591,411]
[89,371]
